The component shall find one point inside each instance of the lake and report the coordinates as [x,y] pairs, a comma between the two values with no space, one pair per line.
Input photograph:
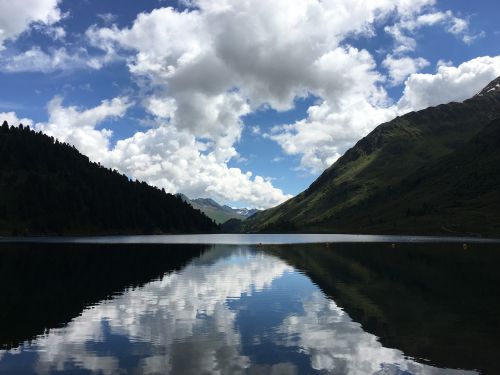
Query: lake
[256,305]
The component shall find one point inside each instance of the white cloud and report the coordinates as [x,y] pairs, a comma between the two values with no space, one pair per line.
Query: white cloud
[234,44]
[163,156]
[17,16]
[209,66]
[53,60]
[163,108]
[37,60]
[403,30]
[78,127]
[450,83]
[12,119]
[401,67]
[52,31]
[175,160]
[327,132]
[203,69]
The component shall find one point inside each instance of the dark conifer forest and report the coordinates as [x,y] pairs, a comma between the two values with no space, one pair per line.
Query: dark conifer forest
[48,187]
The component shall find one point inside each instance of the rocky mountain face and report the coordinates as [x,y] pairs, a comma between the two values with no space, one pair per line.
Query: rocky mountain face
[433,171]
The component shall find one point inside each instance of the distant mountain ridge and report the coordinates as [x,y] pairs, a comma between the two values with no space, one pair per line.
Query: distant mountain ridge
[48,187]
[434,171]
[219,213]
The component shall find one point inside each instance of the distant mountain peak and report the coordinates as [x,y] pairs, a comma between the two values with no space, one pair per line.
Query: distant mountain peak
[219,213]
[492,87]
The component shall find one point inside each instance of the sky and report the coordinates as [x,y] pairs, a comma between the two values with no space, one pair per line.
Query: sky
[242,101]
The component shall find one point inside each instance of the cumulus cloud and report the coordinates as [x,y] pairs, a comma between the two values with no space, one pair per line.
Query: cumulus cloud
[204,68]
[162,156]
[78,127]
[12,119]
[17,16]
[402,67]
[212,64]
[327,132]
[449,83]
[175,160]
[221,46]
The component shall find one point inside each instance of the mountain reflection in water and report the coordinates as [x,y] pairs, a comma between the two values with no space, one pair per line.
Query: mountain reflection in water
[232,309]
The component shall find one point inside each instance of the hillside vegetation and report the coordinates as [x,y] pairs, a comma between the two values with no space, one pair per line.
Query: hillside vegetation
[429,172]
[48,187]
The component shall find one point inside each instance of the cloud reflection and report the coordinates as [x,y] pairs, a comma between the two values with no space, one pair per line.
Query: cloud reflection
[183,317]
[338,345]
[184,323]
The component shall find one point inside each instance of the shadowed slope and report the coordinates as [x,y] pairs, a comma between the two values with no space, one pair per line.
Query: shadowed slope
[387,164]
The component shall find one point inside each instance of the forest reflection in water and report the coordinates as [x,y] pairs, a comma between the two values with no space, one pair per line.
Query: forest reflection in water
[343,309]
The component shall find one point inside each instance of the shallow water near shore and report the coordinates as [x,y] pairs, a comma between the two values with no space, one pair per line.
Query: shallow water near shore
[383,307]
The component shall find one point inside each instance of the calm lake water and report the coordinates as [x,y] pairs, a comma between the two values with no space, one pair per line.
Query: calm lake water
[340,308]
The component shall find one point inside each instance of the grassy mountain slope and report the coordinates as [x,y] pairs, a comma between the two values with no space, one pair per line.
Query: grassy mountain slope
[370,187]
[455,194]
[47,187]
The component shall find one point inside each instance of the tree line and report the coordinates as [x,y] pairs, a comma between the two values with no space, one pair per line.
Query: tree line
[48,187]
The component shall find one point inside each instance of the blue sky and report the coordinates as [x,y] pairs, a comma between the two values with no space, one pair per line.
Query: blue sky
[243,102]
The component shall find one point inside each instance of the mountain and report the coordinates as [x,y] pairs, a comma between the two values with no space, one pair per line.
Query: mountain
[434,171]
[48,187]
[491,88]
[219,213]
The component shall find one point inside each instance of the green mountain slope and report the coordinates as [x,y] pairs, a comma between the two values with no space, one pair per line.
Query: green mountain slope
[47,187]
[424,172]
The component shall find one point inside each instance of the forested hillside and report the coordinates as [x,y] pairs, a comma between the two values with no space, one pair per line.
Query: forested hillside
[48,187]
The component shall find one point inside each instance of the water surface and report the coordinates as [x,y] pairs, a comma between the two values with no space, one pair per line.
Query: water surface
[248,239]
[229,309]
